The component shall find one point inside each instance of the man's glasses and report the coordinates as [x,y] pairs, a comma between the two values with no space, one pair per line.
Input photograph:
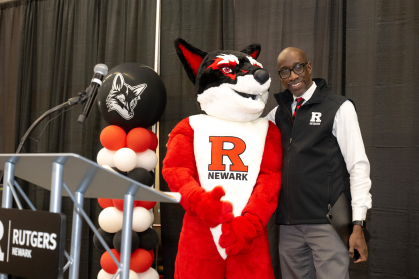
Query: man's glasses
[298,69]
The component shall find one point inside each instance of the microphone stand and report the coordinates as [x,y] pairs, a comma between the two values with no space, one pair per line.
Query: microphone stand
[81,99]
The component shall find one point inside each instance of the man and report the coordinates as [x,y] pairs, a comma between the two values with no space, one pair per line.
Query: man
[324,156]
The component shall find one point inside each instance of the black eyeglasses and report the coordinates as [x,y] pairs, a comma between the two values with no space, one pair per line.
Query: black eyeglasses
[298,69]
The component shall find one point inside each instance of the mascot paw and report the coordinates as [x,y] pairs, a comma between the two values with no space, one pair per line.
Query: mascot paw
[212,210]
[237,236]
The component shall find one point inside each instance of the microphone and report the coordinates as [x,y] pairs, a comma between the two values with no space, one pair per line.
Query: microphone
[100,70]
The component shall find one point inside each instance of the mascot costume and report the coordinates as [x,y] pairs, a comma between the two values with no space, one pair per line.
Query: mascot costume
[227,166]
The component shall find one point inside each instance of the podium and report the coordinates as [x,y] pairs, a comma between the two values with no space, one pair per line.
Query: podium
[79,178]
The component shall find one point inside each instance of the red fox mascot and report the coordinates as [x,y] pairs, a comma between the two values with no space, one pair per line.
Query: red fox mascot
[226,165]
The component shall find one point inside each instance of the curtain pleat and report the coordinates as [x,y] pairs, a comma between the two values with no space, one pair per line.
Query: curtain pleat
[365,50]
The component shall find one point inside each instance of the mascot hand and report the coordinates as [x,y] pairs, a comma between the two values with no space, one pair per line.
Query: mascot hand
[211,209]
[237,236]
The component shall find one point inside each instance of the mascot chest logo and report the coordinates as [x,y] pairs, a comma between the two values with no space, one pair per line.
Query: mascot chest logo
[123,97]
[217,170]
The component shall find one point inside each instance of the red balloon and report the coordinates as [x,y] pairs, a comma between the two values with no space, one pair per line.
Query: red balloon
[141,261]
[154,141]
[113,137]
[152,254]
[138,139]
[119,204]
[104,203]
[146,204]
[107,263]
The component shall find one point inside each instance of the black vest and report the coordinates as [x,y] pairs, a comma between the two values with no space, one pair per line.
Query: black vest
[314,172]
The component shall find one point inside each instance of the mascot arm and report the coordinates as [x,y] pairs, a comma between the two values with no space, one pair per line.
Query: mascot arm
[238,234]
[181,175]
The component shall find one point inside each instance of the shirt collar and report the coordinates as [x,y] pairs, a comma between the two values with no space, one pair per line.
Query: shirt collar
[307,95]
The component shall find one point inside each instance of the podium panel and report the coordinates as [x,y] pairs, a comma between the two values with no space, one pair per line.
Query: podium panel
[30,240]
[79,171]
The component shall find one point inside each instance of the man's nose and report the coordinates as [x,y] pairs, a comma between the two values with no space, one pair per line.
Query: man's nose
[293,76]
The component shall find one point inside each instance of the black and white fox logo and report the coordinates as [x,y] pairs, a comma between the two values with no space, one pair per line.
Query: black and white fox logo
[123,97]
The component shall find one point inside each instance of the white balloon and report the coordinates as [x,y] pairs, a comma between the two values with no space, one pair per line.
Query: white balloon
[105,157]
[141,219]
[110,219]
[125,159]
[152,216]
[132,275]
[147,160]
[1,230]
[104,275]
[151,273]
[109,168]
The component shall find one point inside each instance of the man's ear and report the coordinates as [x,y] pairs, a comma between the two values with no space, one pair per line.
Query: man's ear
[253,50]
[310,69]
[190,56]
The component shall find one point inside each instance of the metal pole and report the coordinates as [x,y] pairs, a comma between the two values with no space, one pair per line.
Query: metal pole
[7,200]
[76,238]
[127,230]
[56,187]
[157,49]
[77,222]
[9,174]
[157,39]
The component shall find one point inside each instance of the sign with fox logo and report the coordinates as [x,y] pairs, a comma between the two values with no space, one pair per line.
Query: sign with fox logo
[132,95]
[123,98]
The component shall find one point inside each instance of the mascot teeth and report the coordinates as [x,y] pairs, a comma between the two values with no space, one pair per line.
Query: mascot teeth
[245,95]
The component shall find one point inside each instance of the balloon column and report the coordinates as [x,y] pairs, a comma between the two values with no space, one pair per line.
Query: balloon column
[131,99]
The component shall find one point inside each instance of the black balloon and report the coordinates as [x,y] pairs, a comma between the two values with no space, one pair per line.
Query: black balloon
[149,239]
[119,171]
[117,240]
[108,237]
[141,175]
[132,95]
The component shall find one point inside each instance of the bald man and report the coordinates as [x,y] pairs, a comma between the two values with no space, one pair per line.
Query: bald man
[324,157]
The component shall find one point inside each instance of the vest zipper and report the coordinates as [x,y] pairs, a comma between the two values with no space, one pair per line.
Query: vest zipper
[329,206]
[287,199]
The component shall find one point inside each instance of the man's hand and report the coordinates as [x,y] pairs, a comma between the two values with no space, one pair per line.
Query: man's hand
[357,241]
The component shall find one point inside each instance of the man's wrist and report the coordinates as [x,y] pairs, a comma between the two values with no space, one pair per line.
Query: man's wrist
[361,223]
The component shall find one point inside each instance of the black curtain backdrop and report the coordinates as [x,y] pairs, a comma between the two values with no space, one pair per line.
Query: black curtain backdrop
[366,50]
[382,78]
[10,31]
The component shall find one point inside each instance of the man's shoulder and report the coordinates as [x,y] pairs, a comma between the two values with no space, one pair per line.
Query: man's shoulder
[336,98]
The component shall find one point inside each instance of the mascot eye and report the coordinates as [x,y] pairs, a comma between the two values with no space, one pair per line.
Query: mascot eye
[226,70]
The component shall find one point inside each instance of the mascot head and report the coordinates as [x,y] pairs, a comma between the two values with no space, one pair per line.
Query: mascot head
[230,85]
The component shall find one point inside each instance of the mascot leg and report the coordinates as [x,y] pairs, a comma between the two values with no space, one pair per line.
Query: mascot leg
[255,264]
[197,256]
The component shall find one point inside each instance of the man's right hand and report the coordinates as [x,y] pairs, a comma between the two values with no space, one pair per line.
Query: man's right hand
[357,241]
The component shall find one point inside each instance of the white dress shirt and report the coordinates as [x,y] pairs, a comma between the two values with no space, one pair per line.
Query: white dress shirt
[347,132]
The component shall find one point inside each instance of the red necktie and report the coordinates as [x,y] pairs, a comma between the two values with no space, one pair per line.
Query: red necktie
[299,101]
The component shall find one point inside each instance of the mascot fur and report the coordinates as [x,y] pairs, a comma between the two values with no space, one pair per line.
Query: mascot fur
[226,165]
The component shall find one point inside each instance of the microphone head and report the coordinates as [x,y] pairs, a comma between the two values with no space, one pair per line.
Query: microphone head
[102,69]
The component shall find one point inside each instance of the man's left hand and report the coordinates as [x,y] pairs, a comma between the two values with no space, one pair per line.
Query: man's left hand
[357,241]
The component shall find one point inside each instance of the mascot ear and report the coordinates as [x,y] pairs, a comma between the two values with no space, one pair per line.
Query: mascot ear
[190,56]
[252,50]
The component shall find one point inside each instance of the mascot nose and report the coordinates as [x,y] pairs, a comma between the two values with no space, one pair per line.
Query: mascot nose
[261,76]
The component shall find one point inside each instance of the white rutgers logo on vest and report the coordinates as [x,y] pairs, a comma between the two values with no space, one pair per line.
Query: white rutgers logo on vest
[315,118]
